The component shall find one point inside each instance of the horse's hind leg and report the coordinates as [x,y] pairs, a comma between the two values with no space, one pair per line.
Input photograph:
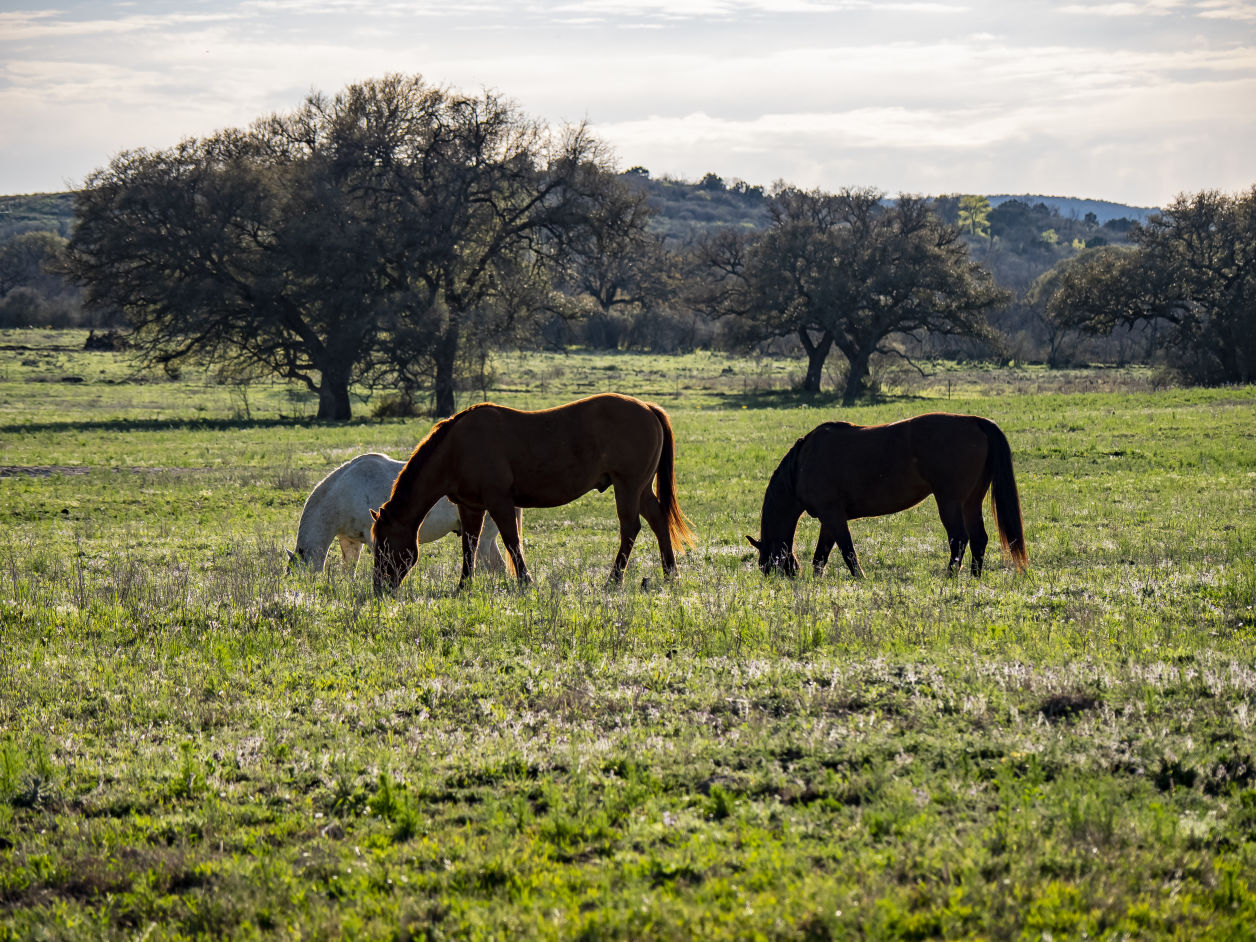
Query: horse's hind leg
[487,557]
[952,514]
[976,529]
[654,516]
[470,522]
[503,515]
[350,548]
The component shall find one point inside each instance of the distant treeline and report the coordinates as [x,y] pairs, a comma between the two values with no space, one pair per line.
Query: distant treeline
[396,234]
[1028,235]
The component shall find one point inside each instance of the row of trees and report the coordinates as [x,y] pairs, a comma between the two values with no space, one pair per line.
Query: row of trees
[394,233]
[32,290]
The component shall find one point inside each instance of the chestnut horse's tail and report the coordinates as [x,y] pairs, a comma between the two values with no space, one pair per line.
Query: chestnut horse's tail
[1004,498]
[665,478]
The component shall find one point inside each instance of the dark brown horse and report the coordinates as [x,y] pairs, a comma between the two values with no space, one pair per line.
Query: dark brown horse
[492,459]
[838,472]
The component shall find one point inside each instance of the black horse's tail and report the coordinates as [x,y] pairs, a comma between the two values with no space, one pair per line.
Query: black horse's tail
[1004,498]
[665,478]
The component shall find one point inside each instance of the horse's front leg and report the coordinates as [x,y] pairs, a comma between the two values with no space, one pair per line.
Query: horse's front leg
[824,546]
[503,514]
[628,508]
[350,549]
[952,516]
[833,529]
[470,522]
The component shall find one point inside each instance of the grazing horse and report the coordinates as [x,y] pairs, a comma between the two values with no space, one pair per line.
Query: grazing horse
[340,507]
[838,471]
[489,458]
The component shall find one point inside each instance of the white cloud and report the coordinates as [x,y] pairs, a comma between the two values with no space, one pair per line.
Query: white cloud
[912,95]
[1241,11]
[35,25]
[1128,8]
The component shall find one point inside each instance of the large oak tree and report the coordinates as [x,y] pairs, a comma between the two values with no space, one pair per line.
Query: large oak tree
[348,241]
[1191,271]
[847,271]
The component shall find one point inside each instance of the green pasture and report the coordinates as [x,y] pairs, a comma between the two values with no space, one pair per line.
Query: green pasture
[195,744]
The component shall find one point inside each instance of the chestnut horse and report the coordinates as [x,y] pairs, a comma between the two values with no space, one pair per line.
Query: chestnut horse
[838,472]
[489,458]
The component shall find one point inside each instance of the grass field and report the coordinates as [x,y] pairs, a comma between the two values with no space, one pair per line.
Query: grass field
[194,744]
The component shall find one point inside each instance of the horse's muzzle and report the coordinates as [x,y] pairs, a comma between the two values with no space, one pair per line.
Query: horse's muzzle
[384,585]
[782,566]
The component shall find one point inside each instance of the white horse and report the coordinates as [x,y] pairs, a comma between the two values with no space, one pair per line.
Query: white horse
[340,507]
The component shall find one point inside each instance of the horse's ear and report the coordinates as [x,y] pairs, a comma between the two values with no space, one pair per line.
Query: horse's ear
[753,542]
[292,557]
[374,514]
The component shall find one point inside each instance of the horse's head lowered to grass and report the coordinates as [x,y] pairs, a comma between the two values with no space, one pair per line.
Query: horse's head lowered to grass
[779,519]
[775,556]
[396,550]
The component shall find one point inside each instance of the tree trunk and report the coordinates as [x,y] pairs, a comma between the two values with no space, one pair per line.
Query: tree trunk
[333,396]
[817,353]
[857,378]
[446,358]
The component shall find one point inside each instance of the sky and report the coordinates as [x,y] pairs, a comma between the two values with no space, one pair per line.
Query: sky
[1132,101]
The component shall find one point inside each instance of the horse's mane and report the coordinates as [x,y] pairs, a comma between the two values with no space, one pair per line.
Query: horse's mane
[782,493]
[828,426]
[427,444]
[782,486]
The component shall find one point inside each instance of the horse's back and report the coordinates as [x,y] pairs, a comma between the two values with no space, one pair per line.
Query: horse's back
[858,471]
[357,486]
[604,411]
[950,448]
[594,424]
[551,456]
[870,470]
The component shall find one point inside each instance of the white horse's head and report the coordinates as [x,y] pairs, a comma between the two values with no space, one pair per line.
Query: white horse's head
[297,561]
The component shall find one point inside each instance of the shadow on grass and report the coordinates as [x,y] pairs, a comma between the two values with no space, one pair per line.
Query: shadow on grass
[796,398]
[179,424]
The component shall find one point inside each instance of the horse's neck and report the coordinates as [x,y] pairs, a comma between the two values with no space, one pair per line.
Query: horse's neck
[414,494]
[781,509]
[315,532]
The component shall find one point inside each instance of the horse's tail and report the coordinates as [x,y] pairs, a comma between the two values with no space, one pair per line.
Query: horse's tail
[665,479]
[1004,499]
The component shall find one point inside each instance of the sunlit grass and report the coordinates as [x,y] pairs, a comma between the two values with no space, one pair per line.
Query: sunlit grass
[195,744]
